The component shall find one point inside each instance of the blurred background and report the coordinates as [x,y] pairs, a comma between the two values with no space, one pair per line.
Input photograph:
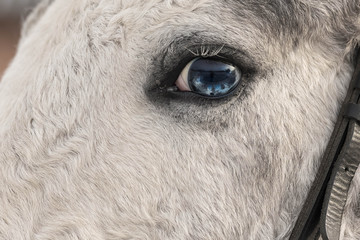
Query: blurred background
[12,13]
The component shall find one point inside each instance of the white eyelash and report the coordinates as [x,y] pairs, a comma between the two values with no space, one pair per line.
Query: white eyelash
[206,51]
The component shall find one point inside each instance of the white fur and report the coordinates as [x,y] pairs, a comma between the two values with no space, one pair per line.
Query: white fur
[84,153]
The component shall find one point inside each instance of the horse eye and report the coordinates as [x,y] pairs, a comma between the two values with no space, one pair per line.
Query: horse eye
[209,77]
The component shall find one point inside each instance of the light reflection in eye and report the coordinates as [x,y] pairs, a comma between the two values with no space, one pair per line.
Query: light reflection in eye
[209,77]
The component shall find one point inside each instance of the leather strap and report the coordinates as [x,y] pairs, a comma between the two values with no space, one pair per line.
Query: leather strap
[353,111]
[308,223]
[343,173]
[357,86]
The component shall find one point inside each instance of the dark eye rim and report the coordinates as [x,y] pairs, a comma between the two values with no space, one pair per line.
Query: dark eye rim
[168,66]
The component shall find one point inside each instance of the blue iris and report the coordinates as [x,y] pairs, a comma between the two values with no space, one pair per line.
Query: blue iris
[213,78]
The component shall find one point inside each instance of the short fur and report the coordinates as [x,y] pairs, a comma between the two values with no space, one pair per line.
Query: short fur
[89,150]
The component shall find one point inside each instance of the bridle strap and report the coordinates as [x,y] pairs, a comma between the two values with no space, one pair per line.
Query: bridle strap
[357,86]
[336,196]
[343,173]
[340,149]
[353,111]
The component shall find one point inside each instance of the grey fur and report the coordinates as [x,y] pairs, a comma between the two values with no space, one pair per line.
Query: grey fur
[91,150]
[16,8]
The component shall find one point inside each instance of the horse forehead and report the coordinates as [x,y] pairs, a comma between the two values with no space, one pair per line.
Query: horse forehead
[279,17]
[147,17]
[154,10]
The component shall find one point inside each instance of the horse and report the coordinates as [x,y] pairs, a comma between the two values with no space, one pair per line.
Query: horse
[172,119]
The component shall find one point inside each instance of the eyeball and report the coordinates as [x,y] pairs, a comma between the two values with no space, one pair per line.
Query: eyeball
[209,77]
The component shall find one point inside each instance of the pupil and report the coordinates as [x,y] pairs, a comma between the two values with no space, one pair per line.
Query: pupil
[212,78]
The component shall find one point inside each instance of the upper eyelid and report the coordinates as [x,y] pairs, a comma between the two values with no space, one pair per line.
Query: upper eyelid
[215,50]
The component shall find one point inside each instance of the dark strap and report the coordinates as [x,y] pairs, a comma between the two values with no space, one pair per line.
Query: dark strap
[357,86]
[343,173]
[353,111]
[308,223]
